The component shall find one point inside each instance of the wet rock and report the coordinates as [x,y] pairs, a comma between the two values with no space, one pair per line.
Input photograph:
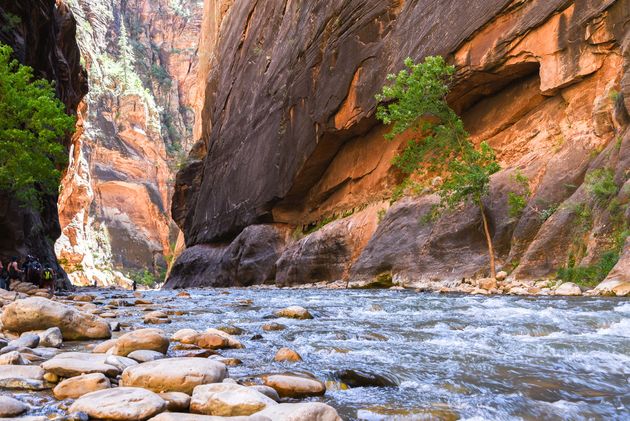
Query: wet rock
[143,356]
[176,401]
[156,317]
[289,386]
[22,377]
[231,330]
[174,374]
[26,340]
[228,400]
[360,378]
[37,313]
[177,416]
[270,392]
[294,312]
[72,364]
[271,327]
[52,338]
[182,333]
[121,404]
[51,378]
[256,337]
[230,362]
[183,294]
[309,411]
[120,362]
[569,289]
[10,407]
[83,298]
[144,339]
[210,339]
[287,354]
[103,347]
[75,387]
[13,358]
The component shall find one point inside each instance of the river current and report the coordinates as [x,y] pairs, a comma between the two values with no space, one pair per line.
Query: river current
[453,357]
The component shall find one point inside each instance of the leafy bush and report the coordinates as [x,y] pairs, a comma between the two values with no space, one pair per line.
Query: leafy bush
[32,120]
[590,276]
[602,184]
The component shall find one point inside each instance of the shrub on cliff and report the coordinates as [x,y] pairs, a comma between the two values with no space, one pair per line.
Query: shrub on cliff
[32,120]
[416,104]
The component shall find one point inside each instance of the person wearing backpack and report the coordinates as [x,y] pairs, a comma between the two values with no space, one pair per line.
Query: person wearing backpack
[48,278]
[14,270]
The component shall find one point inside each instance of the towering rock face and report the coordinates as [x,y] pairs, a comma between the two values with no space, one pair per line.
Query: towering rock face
[290,139]
[138,118]
[42,35]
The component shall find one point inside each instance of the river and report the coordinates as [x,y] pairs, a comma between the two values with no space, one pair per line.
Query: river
[453,357]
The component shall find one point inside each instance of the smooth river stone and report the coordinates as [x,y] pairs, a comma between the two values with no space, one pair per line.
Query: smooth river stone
[10,407]
[143,355]
[308,411]
[174,374]
[120,404]
[144,339]
[26,377]
[294,312]
[176,401]
[178,416]
[294,386]
[228,400]
[75,387]
[72,364]
[36,313]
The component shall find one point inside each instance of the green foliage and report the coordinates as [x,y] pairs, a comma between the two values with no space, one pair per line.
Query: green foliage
[9,21]
[601,183]
[32,120]
[145,277]
[546,213]
[590,276]
[416,101]
[381,215]
[517,201]
[161,76]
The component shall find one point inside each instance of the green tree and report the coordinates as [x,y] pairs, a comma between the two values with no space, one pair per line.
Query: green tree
[415,102]
[32,120]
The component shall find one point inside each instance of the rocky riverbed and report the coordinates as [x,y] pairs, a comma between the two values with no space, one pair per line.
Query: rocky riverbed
[322,354]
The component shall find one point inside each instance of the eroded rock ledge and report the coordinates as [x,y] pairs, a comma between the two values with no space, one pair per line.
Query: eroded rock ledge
[291,140]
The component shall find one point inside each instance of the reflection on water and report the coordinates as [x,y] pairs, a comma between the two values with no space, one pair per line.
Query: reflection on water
[454,357]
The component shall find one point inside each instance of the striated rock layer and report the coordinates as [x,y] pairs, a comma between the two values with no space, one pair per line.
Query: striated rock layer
[42,35]
[137,124]
[289,137]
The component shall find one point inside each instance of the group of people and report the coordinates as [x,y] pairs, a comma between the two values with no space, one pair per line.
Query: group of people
[30,270]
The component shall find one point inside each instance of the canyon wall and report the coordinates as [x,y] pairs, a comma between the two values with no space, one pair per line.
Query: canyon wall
[292,180]
[136,128]
[42,35]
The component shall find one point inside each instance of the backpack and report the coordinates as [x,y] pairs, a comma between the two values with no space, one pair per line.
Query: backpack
[48,274]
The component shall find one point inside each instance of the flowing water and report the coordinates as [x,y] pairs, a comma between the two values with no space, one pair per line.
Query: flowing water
[453,357]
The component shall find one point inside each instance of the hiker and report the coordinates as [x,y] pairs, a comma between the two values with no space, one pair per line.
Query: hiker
[48,279]
[134,285]
[4,277]
[33,270]
[14,270]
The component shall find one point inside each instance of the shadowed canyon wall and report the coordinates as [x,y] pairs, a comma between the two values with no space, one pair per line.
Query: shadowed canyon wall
[136,127]
[42,35]
[292,180]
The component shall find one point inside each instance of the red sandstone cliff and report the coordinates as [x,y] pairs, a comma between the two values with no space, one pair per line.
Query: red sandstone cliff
[137,124]
[289,139]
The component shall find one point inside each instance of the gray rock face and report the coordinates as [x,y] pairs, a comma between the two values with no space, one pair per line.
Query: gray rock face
[248,260]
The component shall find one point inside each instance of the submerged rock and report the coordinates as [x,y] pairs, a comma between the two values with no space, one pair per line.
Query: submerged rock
[120,404]
[360,378]
[287,354]
[36,313]
[294,312]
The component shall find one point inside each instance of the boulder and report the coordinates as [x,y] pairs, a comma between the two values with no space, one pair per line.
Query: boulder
[271,327]
[569,289]
[501,276]
[143,339]
[487,283]
[176,401]
[10,407]
[308,411]
[294,312]
[361,378]
[76,387]
[103,347]
[267,391]
[120,362]
[225,399]
[13,358]
[210,339]
[174,374]
[52,338]
[183,333]
[287,354]
[178,416]
[290,386]
[25,377]
[26,340]
[143,355]
[120,404]
[72,364]
[36,313]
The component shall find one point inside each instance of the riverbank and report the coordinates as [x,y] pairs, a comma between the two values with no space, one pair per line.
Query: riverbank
[381,354]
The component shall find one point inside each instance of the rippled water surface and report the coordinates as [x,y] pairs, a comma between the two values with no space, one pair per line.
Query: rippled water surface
[454,357]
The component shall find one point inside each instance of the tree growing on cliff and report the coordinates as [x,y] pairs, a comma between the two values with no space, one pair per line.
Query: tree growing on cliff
[415,102]
[32,120]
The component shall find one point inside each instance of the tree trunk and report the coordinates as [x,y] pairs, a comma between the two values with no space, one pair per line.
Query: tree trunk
[493,271]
